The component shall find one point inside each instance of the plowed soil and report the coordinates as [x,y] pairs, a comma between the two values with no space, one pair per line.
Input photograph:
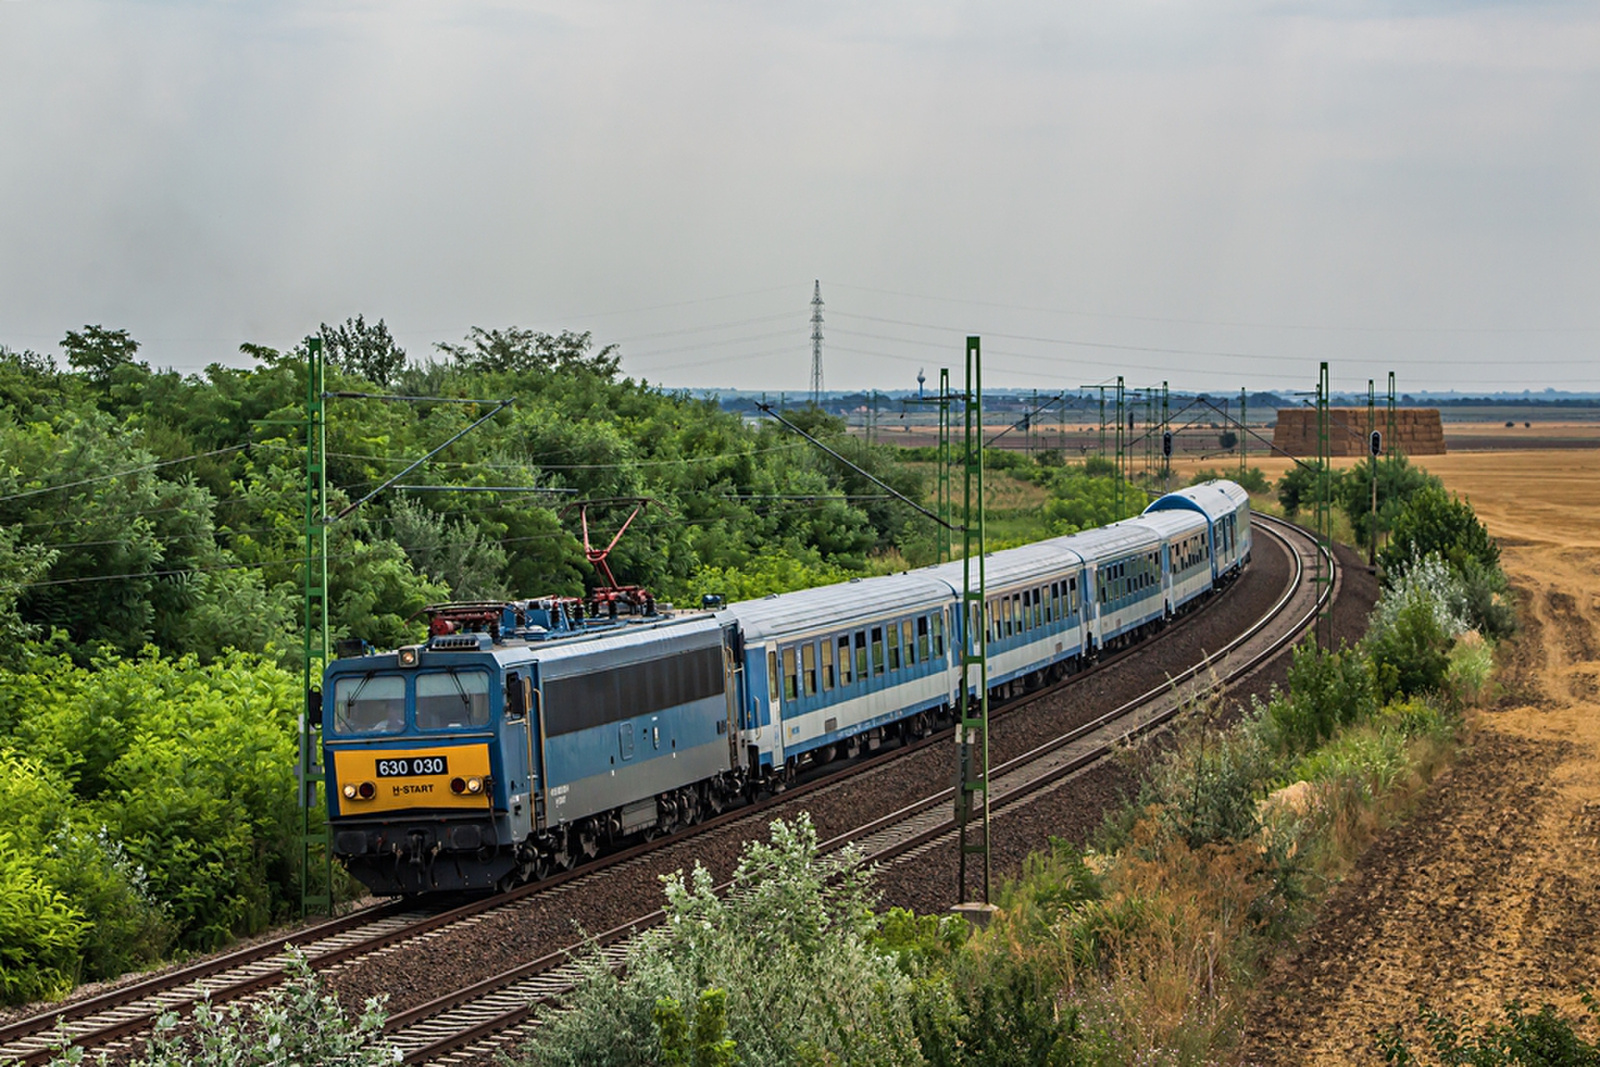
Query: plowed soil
[1491,891]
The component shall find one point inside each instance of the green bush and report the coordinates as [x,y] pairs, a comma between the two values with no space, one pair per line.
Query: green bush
[1326,690]
[1432,521]
[1398,482]
[40,931]
[1410,651]
[160,799]
[794,946]
[1252,480]
[1542,1038]
[299,1022]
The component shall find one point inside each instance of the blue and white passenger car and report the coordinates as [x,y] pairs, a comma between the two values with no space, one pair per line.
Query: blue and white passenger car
[831,668]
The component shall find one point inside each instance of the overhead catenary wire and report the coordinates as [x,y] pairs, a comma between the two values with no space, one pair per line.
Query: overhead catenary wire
[122,474]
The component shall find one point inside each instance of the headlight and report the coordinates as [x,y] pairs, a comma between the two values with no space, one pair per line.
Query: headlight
[474,785]
[349,792]
[410,655]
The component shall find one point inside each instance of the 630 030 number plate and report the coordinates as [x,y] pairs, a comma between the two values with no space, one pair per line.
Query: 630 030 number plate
[409,766]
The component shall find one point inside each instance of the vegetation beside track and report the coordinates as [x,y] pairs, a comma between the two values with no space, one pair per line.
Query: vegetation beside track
[1140,950]
[151,538]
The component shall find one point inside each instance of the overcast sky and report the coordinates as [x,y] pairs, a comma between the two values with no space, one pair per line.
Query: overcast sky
[1216,194]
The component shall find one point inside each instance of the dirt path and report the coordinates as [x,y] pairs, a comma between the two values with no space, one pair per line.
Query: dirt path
[1492,890]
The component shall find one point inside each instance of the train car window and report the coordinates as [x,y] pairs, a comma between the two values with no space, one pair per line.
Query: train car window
[772,675]
[877,650]
[1005,616]
[1072,596]
[827,664]
[1038,607]
[907,640]
[371,704]
[791,681]
[861,655]
[844,660]
[938,634]
[894,646]
[922,638]
[808,666]
[452,699]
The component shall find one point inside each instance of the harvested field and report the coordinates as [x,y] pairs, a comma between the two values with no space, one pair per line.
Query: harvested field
[1492,891]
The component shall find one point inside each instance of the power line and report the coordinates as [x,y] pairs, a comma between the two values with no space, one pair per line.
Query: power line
[123,474]
[1224,322]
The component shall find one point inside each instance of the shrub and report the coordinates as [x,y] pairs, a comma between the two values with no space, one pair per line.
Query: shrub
[1542,1038]
[1410,650]
[1252,480]
[1398,481]
[298,1022]
[40,931]
[794,945]
[1325,691]
[1433,521]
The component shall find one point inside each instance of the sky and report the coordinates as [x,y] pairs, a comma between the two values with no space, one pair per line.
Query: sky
[1215,194]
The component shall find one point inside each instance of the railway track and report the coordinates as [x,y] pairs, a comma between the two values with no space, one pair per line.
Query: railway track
[492,1008]
[472,1024]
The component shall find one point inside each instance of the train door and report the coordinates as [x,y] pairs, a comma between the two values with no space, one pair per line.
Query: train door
[774,704]
[731,688]
[517,756]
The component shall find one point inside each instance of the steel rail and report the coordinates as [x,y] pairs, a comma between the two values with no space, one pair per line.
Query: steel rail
[495,1004]
[263,968]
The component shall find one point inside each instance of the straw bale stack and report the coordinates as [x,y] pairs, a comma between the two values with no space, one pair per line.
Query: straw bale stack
[1420,431]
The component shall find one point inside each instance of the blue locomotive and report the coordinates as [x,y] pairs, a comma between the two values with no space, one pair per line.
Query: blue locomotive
[524,737]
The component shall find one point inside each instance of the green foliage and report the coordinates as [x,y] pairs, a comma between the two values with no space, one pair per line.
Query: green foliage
[792,943]
[1434,522]
[1410,652]
[299,1022]
[366,351]
[40,931]
[519,351]
[705,1043]
[1398,481]
[100,353]
[1252,480]
[1543,1038]
[1326,690]
[1298,486]
[772,572]
[1081,500]
[157,799]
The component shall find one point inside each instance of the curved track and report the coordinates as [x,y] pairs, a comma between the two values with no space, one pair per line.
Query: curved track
[471,1024]
[493,1009]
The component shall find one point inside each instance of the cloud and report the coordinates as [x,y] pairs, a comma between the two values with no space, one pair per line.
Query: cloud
[1411,181]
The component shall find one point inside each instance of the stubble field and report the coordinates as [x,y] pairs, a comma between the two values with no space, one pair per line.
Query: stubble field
[1492,890]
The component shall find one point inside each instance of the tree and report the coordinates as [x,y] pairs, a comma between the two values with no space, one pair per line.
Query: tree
[98,353]
[516,350]
[1434,521]
[367,351]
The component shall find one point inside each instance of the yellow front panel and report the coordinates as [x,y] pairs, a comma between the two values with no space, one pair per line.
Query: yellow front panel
[410,790]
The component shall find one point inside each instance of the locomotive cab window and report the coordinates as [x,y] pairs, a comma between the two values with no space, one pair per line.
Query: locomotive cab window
[372,704]
[452,699]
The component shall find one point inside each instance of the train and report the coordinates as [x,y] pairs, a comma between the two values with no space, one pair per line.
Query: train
[524,737]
